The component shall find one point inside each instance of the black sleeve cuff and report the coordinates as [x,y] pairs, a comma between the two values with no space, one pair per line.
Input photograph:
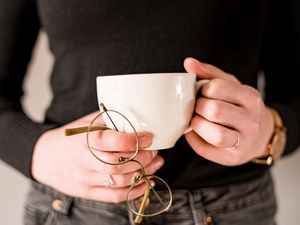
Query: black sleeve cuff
[18,138]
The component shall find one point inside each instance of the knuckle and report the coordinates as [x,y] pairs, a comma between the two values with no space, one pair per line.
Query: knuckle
[94,140]
[219,139]
[232,77]
[115,141]
[208,88]
[254,96]
[145,157]
[211,88]
[125,143]
[213,110]
[152,169]
[97,140]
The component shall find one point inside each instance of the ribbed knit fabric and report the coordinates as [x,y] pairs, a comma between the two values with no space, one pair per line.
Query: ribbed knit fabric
[100,37]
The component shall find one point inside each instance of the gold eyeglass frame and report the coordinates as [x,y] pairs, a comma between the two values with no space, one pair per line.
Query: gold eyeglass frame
[122,160]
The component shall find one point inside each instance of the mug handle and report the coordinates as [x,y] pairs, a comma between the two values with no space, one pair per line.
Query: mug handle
[199,84]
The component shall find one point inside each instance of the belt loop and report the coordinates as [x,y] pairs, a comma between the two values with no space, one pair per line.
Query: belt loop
[196,207]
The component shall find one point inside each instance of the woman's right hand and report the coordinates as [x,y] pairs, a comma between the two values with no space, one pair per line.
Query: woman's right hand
[66,164]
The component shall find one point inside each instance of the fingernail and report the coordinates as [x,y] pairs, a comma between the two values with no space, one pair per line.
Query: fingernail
[159,163]
[145,141]
[152,183]
[186,60]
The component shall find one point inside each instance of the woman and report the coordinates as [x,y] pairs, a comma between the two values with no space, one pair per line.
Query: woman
[219,172]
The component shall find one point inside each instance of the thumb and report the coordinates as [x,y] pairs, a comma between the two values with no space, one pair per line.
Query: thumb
[206,71]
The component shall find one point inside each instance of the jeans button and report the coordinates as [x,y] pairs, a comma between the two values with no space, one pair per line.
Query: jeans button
[208,220]
[57,205]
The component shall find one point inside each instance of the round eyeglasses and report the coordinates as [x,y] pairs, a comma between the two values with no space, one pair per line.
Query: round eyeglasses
[157,197]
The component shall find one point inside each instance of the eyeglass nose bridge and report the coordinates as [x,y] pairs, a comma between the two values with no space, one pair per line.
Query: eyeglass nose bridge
[137,177]
[164,201]
[123,159]
[120,160]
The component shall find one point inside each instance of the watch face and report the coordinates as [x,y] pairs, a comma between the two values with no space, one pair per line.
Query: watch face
[278,144]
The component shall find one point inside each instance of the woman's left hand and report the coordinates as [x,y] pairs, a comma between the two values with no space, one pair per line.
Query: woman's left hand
[231,124]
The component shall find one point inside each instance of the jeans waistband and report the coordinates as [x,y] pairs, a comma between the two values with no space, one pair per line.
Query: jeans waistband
[189,206]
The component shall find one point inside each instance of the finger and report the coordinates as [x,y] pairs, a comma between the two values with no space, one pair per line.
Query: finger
[230,92]
[213,133]
[143,157]
[220,112]
[110,140]
[223,156]
[93,178]
[206,71]
[115,195]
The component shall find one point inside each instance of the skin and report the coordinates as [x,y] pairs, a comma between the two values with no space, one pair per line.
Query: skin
[226,109]
[67,165]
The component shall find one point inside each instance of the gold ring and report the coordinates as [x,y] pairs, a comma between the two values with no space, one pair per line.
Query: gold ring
[236,143]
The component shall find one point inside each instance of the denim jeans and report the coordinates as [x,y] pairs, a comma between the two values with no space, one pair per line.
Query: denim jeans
[251,202]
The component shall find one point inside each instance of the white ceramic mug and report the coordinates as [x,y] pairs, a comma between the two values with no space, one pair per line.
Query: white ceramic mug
[159,103]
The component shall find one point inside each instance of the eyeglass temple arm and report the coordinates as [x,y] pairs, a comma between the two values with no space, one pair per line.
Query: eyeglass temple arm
[148,182]
[103,109]
[79,130]
[139,218]
[155,193]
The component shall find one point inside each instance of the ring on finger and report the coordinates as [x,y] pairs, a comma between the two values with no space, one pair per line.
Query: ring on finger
[109,181]
[236,143]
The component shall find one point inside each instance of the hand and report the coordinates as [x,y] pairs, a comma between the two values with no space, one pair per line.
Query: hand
[228,112]
[66,164]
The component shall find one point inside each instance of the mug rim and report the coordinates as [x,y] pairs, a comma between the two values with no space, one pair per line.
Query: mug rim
[146,74]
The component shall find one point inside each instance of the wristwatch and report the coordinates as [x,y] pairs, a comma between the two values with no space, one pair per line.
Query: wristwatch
[277,142]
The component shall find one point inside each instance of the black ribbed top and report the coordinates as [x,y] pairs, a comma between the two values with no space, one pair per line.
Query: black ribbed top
[98,37]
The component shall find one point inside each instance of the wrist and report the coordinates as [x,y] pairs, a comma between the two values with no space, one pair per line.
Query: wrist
[277,142]
[38,154]
[268,133]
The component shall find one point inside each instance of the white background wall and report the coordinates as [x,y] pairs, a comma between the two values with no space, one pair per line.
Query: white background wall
[13,186]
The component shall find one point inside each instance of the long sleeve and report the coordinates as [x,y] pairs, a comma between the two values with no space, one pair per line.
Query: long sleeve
[281,65]
[19,26]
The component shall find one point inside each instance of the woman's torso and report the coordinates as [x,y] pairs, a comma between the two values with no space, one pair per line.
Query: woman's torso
[100,37]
